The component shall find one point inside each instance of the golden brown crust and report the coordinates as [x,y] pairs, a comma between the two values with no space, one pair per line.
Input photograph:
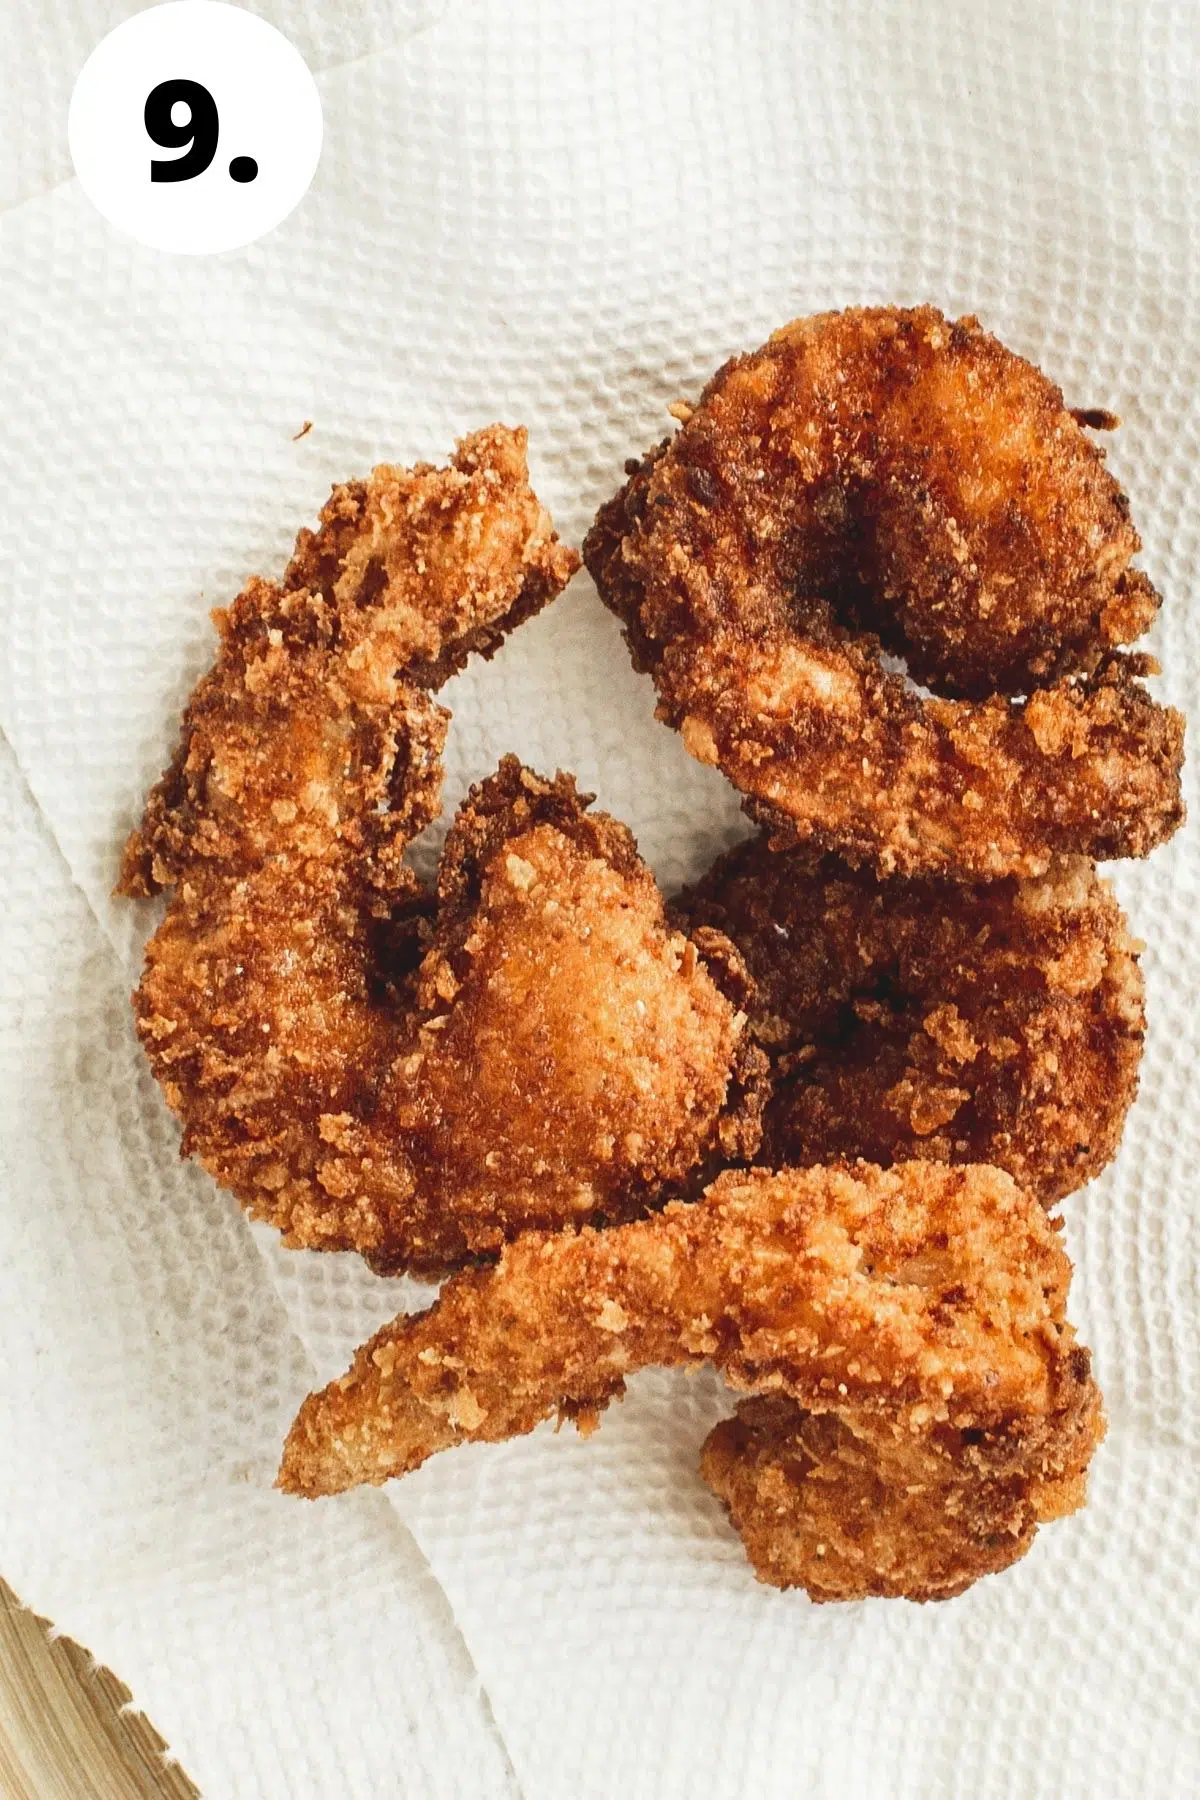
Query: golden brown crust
[997,1022]
[921,1402]
[570,1057]
[921,1308]
[884,474]
[359,1075]
[561,1053]
[312,738]
[849,1507]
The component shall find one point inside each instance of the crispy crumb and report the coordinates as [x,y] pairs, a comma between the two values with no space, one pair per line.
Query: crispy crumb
[910,1322]
[997,1022]
[884,478]
[530,1044]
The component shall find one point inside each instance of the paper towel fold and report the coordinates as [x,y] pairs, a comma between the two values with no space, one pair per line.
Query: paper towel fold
[566,216]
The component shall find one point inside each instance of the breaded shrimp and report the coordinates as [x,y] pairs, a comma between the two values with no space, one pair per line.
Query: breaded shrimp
[570,1057]
[882,478]
[559,1053]
[904,1303]
[998,1022]
[852,1507]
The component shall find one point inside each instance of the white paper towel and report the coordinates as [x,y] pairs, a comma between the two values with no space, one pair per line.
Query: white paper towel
[148,1371]
[566,216]
[46,46]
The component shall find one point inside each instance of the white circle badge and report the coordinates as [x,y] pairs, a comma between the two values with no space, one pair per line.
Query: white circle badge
[195,127]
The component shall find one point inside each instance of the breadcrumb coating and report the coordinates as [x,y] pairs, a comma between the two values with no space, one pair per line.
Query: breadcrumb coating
[848,1508]
[360,1073]
[571,1056]
[885,480]
[907,1304]
[998,1022]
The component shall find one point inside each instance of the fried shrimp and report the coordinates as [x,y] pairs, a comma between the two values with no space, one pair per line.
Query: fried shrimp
[998,1022]
[920,1310]
[349,1096]
[884,480]
[570,1056]
[849,1508]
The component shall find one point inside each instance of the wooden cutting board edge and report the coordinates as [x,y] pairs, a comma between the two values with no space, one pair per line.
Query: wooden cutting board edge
[68,1726]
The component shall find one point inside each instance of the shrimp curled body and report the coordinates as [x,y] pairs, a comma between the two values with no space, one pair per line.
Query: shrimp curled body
[920,1404]
[362,1075]
[876,481]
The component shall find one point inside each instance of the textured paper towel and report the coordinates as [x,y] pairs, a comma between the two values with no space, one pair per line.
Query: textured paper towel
[148,1371]
[46,46]
[567,216]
